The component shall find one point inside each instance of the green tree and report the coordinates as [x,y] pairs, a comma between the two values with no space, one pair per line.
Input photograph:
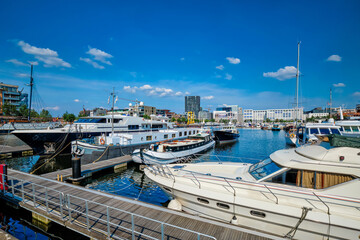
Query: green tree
[173,119]
[212,120]
[34,114]
[10,110]
[146,116]
[45,115]
[24,111]
[68,117]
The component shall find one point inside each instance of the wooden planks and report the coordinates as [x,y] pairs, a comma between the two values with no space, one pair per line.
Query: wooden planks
[121,211]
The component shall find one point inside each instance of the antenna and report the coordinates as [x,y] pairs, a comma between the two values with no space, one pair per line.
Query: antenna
[297,82]
[31,88]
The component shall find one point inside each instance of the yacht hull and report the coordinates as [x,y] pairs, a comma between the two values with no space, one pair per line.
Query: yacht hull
[224,136]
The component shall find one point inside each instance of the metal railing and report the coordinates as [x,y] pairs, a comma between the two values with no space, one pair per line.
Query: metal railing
[262,188]
[109,221]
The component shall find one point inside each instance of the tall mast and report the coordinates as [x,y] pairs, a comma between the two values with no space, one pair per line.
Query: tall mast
[112,121]
[31,88]
[297,82]
[330,104]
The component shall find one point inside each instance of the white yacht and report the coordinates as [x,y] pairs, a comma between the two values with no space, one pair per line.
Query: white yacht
[309,132]
[173,151]
[48,140]
[304,193]
[349,128]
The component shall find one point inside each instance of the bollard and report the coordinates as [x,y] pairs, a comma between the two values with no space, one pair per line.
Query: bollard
[76,167]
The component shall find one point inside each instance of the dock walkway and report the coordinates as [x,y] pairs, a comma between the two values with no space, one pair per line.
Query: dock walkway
[89,168]
[106,216]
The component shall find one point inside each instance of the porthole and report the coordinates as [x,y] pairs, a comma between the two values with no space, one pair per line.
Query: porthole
[204,201]
[222,205]
[257,213]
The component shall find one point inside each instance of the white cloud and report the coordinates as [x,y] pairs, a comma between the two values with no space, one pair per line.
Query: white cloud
[334,58]
[145,87]
[100,55]
[91,62]
[33,63]
[56,108]
[155,91]
[22,75]
[27,48]
[16,62]
[47,56]
[53,62]
[182,59]
[228,76]
[233,60]
[220,67]
[208,97]
[356,94]
[339,85]
[76,100]
[283,73]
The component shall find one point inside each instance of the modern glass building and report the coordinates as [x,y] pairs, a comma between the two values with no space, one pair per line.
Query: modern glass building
[192,104]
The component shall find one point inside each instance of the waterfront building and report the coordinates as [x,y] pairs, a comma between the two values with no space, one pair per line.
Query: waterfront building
[163,112]
[204,115]
[192,104]
[273,114]
[228,112]
[358,108]
[10,94]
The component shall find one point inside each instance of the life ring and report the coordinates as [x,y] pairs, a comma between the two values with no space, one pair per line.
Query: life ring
[292,135]
[102,141]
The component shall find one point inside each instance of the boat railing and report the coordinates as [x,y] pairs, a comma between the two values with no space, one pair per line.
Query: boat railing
[72,209]
[263,188]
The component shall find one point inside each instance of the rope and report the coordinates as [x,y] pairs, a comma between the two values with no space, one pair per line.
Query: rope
[292,232]
[107,148]
[50,158]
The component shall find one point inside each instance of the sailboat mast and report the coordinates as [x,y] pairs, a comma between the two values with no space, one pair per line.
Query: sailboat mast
[297,82]
[31,88]
[112,121]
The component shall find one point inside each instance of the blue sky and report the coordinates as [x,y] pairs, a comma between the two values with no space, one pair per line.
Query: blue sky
[227,52]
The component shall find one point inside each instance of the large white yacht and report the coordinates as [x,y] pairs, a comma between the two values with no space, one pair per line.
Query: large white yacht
[349,128]
[49,140]
[310,131]
[304,193]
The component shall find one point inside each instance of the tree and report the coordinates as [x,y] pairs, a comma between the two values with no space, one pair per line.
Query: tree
[45,115]
[9,109]
[212,120]
[24,111]
[68,117]
[173,119]
[146,116]
[267,120]
[34,114]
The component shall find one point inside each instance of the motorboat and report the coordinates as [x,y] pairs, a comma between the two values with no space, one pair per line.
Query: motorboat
[172,151]
[349,128]
[290,137]
[120,144]
[226,134]
[310,131]
[275,127]
[50,140]
[300,193]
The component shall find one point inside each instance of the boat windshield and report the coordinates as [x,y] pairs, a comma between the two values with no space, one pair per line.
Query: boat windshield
[263,169]
[91,120]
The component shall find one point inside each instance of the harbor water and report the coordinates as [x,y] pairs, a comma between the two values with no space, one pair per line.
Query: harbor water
[252,146]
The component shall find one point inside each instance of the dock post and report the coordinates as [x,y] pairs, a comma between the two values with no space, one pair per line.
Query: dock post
[76,167]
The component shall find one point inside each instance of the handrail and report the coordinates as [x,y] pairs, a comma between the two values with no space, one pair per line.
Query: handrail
[67,211]
[257,184]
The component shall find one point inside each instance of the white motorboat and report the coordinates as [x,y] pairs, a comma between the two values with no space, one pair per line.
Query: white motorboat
[304,193]
[173,151]
[310,131]
[349,128]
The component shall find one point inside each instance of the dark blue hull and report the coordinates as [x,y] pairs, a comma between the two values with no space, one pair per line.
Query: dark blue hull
[223,136]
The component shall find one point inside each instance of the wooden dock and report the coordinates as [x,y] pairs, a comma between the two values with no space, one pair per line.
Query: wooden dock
[102,215]
[89,169]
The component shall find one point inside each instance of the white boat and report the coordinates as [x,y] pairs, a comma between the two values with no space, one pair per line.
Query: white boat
[304,193]
[170,152]
[290,137]
[46,141]
[349,128]
[309,132]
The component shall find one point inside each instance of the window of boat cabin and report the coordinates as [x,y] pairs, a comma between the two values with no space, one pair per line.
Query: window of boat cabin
[310,179]
[148,138]
[347,128]
[157,126]
[132,127]
[117,120]
[263,169]
[174,135]
[185,133]
[335,131]
[355,129]
[180,134]
[166,136]
[324,130]
[189,132]
[313,131]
